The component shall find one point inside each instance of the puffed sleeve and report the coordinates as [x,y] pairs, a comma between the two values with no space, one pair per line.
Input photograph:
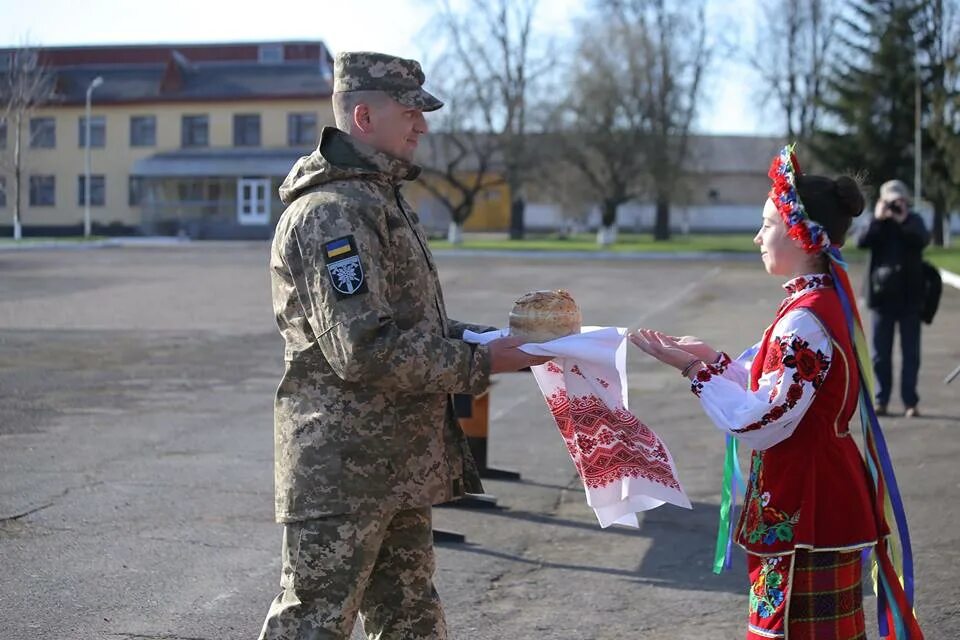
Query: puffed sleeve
[796,364]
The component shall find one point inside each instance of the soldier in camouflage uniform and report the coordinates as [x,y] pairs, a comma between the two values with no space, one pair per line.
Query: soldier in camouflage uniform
[365,435]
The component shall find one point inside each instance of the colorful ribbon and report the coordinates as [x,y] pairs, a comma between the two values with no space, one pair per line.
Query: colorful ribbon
[894,581]
[732,478]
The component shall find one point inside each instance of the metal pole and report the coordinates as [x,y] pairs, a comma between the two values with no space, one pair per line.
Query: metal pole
[917,141]
[86,159]
[86,167]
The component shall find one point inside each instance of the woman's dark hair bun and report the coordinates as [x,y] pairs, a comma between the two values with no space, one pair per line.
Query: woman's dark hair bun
[850,196]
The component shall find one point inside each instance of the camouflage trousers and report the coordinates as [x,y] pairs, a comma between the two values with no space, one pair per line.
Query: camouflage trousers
[379,565]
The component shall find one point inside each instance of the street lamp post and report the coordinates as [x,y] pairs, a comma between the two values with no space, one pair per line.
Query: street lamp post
[86,159]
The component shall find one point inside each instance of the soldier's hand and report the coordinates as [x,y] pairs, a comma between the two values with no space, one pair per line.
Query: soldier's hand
[506,356]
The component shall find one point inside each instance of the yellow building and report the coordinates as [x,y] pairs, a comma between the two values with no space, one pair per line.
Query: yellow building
[457,168]
[184,139]
[491,209]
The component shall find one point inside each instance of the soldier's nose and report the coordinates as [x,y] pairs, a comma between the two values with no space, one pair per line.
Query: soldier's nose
[420,126]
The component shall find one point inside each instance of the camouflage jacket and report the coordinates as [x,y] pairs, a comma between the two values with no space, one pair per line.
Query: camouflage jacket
[363,413]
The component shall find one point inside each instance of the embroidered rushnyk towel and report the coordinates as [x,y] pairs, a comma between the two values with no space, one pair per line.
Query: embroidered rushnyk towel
[624,465]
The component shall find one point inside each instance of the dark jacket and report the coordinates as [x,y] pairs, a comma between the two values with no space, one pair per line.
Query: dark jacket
[894,281]
[932,290]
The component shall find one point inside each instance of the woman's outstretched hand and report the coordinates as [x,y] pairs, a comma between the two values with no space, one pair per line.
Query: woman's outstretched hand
[696,347]
[664,348]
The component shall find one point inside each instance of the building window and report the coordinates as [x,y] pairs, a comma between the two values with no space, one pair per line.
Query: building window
[97,196]
[143,131]
[201,196]
[3,192]
[135,190]
[190,191]
[198,191]
[270,53]
[246,130]
[195,131]
[301,129]
[98,131]
[43,133]
[42,191]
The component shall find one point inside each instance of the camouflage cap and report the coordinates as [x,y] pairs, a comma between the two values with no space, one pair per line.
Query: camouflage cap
[399,77]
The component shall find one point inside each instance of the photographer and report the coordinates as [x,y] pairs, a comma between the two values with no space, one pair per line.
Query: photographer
[896,238]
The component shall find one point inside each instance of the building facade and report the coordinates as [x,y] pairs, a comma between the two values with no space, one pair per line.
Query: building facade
[722,187]
[187,140]
[194,140]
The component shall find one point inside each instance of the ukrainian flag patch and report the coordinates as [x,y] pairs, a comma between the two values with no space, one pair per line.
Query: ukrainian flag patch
[344,267]
[338,247]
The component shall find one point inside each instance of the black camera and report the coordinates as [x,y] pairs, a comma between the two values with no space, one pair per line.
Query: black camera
[895,208]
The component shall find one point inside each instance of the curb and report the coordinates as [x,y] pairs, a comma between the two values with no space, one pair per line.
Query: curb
[161,241]
[598,255]
[950,278]
[158,241]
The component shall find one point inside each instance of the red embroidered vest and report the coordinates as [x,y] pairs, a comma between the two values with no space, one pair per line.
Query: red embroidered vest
[812,489]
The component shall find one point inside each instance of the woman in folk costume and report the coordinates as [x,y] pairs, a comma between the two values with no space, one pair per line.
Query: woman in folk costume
[813,505]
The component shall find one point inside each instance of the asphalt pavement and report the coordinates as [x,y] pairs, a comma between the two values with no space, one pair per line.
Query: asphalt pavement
[136,480]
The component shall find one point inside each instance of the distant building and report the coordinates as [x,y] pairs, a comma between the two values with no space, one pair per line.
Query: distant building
[189,139]
[195,139]
[722,188]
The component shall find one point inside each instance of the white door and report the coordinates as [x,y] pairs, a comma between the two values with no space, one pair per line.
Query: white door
[253,207]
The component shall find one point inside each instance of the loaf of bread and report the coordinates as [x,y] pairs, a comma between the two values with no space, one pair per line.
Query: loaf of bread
[540,316]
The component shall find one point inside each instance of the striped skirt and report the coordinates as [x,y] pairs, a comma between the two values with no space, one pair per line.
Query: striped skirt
[806,596]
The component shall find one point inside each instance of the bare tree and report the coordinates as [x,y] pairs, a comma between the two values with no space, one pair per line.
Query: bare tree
[493,43]
[791,56]
[25,84]
[604,122]
[460,162]
[676,54]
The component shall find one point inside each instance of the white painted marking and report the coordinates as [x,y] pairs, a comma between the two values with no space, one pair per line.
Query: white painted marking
[950,278]
[673,301]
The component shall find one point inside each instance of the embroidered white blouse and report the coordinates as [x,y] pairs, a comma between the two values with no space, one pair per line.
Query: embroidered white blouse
[796,365]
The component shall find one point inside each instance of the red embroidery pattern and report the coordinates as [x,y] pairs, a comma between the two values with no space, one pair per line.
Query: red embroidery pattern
[802,283]
[603,383]
[707,372]
[774,359]
[576,369]
[607,446]
[809,367]
[552,367]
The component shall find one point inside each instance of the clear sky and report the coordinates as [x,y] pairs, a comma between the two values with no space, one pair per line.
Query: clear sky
[395,26]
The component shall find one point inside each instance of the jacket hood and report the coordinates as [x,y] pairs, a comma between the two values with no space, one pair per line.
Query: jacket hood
[340,156]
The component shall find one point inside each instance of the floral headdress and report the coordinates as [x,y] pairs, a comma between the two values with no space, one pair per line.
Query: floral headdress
[784,171]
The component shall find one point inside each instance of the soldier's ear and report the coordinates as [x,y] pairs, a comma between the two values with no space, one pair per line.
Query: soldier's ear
[361,118]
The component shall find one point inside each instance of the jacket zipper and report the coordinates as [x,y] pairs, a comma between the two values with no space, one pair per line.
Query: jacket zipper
[426,256]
